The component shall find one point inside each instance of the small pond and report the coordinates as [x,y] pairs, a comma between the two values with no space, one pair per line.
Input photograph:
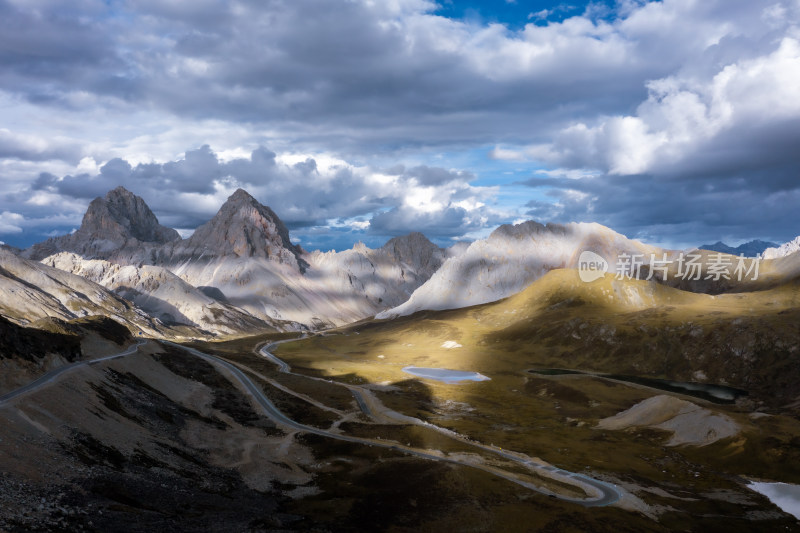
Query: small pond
[444,375]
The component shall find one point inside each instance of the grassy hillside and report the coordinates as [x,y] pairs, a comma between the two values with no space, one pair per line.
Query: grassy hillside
[631,327]
[747,340]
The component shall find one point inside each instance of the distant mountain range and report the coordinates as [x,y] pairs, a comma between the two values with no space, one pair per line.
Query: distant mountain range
[240,272]
[748,249]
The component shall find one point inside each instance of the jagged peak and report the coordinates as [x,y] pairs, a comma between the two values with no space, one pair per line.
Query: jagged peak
[245,227]
[129,213]
[530,228]
[527,228]
[118,220]
[414,249]
[240,196]
[414,238]
[119,192]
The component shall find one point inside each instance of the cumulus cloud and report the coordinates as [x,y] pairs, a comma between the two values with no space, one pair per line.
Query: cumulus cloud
[680,102]
[707,155]
[688,122]
[15,145]
[10,222]
[305,191]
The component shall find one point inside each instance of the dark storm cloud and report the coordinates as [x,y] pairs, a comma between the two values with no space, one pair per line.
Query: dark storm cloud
[48,42]
[51,49]
[355,74]
[369,74]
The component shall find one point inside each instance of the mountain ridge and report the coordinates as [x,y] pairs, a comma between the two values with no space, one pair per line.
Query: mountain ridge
[510,259]
[244,256]
[241,269]
[749,249]
[783,250]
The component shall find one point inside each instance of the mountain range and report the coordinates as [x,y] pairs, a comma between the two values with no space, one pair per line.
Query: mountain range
[241,273]
[237,273]
[748,249]
[666,392]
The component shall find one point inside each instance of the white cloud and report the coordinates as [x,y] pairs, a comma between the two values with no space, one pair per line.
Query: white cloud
[683,116]
[304,189]
[505,154]
[36,147]
[11,222]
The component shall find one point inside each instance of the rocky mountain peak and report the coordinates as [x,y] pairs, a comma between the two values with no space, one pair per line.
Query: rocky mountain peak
[416,250]
[119,220]
[123,215]
[245,228]
[525,229]
[241,196]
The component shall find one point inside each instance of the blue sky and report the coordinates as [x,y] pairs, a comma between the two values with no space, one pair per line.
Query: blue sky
[675,122]
[517,13]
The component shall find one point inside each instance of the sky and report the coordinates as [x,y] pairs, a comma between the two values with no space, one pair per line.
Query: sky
[676,122]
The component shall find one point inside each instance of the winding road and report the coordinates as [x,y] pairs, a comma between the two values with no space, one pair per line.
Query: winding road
[603,493]
[608,493]
[49,377]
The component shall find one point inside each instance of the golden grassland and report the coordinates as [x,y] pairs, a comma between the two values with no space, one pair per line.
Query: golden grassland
[622,326]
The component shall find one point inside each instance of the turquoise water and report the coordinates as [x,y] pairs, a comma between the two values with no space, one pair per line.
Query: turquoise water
[444,375]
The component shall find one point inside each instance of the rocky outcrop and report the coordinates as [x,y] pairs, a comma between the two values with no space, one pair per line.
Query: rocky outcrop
[119,221]
[30,291]
[162,294]
[242,227]
[415,251]
[687,422]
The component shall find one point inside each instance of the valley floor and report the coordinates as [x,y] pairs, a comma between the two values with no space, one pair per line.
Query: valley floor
[329,437]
